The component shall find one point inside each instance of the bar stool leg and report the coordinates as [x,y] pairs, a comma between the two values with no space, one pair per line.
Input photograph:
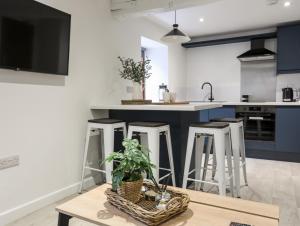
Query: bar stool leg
[243,154]
[220,155]
[124,132]
[109,137]
[199,147]
[153,140]
[144,139]
[236,147]
[86,148]
[189,151]
[130,133]
[229,162]
[214,167]
[207,155]
[170,154]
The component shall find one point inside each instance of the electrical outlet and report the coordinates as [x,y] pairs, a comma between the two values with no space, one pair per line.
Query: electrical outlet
[9,162]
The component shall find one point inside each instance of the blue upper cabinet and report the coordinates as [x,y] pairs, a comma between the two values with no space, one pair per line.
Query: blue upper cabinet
[288,129]
[288,49]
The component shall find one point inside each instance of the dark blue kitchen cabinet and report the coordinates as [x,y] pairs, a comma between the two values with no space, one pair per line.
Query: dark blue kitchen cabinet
[224,112]
[288,49]
[288,129]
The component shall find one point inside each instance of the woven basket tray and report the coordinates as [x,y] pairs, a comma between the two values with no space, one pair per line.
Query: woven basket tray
[146,211]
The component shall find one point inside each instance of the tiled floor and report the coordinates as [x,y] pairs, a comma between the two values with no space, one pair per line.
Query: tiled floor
[269,182]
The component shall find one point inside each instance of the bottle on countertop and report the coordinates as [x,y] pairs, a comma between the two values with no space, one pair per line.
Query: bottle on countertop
[161,90]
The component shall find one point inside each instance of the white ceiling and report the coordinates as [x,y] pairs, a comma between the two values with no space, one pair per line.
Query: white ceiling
[228,16]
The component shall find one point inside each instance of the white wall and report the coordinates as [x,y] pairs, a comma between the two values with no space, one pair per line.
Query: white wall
[178,71]
[158,54]
[218,65]
[43,117]
[159,63]
[129,46]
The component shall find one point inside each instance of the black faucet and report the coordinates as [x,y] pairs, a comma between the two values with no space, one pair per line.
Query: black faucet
[211,90]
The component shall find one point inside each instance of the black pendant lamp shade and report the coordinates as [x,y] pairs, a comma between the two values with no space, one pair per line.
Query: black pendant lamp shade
[176,36]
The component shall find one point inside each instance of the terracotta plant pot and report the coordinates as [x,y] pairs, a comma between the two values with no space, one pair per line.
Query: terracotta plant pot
[131,190]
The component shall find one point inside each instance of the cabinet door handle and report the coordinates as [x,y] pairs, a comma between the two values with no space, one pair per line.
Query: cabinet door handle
[256,118]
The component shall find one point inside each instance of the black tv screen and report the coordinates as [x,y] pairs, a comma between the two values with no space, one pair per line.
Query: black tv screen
[34,37]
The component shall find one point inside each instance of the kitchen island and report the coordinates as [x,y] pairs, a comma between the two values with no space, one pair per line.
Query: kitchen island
[178,116]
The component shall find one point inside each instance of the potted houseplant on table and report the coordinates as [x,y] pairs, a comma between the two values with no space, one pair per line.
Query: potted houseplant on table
[137,72]
[133,163]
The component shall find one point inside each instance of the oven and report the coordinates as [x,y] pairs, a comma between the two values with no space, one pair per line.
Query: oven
[259,122]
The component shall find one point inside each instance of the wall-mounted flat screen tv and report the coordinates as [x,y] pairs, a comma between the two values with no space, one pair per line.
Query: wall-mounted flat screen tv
[34,37]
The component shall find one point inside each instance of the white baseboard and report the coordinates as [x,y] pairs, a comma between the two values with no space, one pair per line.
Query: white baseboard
[22,210]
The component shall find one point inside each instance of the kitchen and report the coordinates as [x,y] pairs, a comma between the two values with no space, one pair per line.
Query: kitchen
[202,97]
[263,90]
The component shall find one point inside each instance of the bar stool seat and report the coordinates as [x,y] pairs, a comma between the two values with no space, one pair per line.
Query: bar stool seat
[216,125]
[107,128]
[229,120]
[147,124]
[105,121]
[150,137]
[218,134]
[238,147]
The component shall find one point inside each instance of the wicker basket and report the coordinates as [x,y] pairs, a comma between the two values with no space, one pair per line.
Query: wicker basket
[131,190]
[146,211]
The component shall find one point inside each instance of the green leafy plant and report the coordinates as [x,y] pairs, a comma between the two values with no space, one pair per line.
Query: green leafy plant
[132,163]
[135,71]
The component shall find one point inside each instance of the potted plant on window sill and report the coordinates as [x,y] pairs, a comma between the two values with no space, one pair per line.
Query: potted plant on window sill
[127,178]
[137,72]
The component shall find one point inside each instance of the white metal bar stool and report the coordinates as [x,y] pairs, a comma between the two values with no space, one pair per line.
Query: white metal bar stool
[238,147]
[221,142]
[107,128]
[150,137]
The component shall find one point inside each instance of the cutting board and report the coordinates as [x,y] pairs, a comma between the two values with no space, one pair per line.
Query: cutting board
[175,103]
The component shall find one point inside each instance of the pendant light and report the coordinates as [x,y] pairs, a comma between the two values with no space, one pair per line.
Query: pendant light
[176,36]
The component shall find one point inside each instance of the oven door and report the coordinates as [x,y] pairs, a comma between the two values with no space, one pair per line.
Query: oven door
[258,125]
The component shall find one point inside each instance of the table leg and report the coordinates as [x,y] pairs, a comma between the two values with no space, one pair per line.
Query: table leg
[63,219]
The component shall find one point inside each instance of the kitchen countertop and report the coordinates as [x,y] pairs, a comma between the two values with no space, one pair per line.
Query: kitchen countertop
[152,107]
[193,106]
[261,103]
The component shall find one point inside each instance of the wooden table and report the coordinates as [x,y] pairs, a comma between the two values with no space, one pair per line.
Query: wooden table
[204,210]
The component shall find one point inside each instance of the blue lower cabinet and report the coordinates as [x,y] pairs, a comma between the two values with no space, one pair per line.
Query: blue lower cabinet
[288,129]
[204,116]
[260,145]
[224,112]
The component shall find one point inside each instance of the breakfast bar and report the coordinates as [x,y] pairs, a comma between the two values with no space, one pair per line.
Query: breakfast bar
[178,116]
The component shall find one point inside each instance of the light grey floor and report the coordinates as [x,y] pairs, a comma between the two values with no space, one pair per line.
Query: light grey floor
[269,182]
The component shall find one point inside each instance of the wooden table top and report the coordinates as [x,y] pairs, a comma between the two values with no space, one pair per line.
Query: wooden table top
[204,210]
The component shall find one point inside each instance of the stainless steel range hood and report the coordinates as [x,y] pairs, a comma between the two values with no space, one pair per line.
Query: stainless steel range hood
[257,52]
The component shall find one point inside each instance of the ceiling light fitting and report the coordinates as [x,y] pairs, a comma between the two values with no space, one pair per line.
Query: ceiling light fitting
[176,36]
[287,4]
